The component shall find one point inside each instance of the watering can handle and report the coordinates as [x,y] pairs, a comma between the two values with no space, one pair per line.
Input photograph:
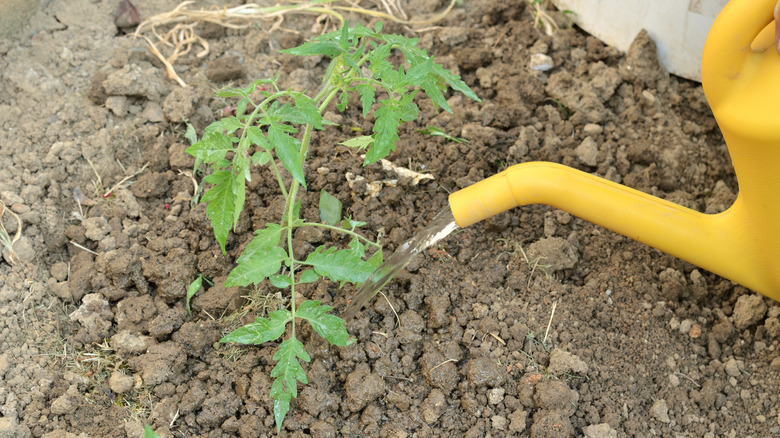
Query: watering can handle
[728,47]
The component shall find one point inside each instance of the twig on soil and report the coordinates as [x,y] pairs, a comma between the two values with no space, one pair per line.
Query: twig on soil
[168,66]
[547,332]
[124,180]
[5,239]
[397,319]
[688,378]
[97,175]
[437,366]
[497,338]
[542,18]
[83,247]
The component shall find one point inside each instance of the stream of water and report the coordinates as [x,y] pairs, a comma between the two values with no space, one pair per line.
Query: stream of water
[439,228]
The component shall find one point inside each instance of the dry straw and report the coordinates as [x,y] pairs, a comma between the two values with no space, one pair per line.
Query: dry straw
[181,37]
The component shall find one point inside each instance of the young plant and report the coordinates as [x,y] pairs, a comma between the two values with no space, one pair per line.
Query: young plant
[277,127]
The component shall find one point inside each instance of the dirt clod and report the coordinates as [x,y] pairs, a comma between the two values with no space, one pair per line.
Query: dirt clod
[362,388]
[749,310]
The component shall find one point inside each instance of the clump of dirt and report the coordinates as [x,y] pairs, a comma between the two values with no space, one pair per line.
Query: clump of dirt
[97,338]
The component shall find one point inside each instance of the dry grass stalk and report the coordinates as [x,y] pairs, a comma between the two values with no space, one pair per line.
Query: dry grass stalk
[182,36]
[5,239]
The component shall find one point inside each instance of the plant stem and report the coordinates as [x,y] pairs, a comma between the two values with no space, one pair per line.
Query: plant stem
[342,230]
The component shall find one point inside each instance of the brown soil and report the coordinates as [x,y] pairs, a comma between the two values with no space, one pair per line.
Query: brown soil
[640,343]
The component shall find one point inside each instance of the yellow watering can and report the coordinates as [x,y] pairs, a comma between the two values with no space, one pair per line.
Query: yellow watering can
[741,81]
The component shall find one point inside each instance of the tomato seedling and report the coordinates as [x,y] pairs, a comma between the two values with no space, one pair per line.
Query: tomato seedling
[278,127]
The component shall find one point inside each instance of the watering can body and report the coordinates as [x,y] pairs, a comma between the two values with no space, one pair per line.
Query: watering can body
[741,80]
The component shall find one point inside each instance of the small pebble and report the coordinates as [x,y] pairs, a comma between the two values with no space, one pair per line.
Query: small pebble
[540,62]
[495,396]
[660,411]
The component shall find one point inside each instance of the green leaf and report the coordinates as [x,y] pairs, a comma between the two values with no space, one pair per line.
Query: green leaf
[376,259]
[264,240]
[343,102]
[241,107]
[256,137]
[239,188]
[149,432]
[262,330]
[261,158]
[190,134]
[359,142]
[434,92]
[388,118]
[308,276]
[222,203]
[357,247]
[329,49]
[367,97]
[309,110]
[419,72]
[280,280]
[330,327]
[260,259]
[344,37]
[212,147]
[229,92]
[339,266]
[330,208]
[355,224]
[255,268]
[287,150]
[455,82]
[192,290]
[288,372]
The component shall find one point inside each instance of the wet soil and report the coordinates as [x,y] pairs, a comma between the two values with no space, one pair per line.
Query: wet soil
[96,339]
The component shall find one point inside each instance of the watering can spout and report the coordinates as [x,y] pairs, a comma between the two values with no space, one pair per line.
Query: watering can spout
[742,85]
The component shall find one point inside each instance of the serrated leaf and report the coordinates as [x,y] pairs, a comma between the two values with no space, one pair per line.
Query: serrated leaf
[264,240]
[308,276]
[262,330]
[355,224]
[344,37]
[367,97]
[241,106]
[434,92]
[287,150]
[357,247]
[239,188]
[256,267]
[330,327]
[330,208]
[280,281]
[328,48]
[359,142]
[309,110]
[376,259]
[231,124]
[455,82]
[419,72]
[193,288]
[190,134]
[229,92]
[211,148]
[388,118]
[343,102]
[256,137]
[261,158]
[339,266]
[221,204]
[288,372]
